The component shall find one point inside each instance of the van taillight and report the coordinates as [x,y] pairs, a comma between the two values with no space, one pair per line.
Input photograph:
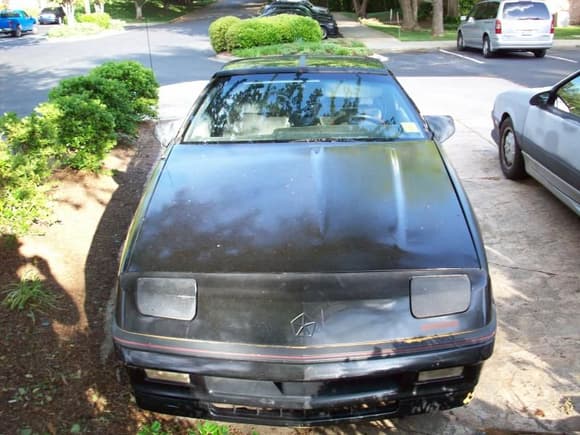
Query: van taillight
[552,24]
[497,27]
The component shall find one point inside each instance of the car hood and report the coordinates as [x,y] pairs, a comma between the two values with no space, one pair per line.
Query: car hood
[301,207]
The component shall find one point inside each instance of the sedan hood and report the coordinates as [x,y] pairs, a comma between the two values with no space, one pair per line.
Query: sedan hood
[301,207]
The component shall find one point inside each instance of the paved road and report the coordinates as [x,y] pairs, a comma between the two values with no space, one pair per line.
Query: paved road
[521,68]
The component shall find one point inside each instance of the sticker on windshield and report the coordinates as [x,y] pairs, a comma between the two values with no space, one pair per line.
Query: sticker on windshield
[409,127]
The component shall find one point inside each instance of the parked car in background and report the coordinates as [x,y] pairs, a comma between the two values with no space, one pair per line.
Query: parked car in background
[304,254]
[16,22]
[538,131]
[304,8]
[507,25]
[52,15]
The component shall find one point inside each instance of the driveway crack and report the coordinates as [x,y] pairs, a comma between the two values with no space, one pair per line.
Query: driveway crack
[523,268]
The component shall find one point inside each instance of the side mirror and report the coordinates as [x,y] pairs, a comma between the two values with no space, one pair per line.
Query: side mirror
[166,130]
[442,127]
[462,18]
[540,99]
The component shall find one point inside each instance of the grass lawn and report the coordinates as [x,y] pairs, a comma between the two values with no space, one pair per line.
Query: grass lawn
[570,32]
[342,47]
[153,10]
[411,35]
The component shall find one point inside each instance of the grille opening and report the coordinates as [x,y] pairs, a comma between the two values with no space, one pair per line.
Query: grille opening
[381,407]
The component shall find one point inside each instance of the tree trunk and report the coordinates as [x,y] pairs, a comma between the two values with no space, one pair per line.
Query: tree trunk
[415,6]
[356,7]
[138,11]
[437,24]
[69,10]
[409,20]
[87,5]
[452,8]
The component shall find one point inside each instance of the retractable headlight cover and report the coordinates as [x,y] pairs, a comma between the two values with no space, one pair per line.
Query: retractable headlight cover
[439,295]
[170,298]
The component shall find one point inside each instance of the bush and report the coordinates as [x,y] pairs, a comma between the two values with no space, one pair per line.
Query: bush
[79,29]
[425,11]
[138,80]
[103,20]
[86,131]
[217,32]
[255,32]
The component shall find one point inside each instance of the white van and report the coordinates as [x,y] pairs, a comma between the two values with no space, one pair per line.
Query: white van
[511,25]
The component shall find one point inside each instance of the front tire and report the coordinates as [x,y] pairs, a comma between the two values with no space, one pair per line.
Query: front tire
[539,53]
[460,42]
[486,47]
[324,32]
[511,159]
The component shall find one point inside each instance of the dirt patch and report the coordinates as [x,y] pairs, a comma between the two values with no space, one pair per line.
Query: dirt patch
[52,378]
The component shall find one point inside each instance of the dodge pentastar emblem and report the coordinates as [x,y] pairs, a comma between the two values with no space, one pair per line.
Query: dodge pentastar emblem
[303,325]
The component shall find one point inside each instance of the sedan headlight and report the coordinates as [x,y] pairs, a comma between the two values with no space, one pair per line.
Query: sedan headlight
[439,295]
[171,298]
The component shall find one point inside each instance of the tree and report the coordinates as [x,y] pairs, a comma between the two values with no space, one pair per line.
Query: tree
[409,16]
[139,8]
[99,6]
[360,7]
[437,23]
[69,9]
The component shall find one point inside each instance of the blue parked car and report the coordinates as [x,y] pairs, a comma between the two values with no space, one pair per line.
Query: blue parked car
[16,22]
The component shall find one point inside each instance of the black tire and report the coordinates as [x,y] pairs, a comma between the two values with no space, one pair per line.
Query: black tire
[539,53]
[460,42]
[324,32]
[486,47]
[511,159]
[17,33]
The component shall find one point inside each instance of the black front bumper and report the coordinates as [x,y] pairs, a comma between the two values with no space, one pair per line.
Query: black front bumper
[305,394]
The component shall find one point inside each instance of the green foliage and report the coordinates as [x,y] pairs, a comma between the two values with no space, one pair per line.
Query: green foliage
[86,131]
[29,294]
[79,29]
[212,428]
[339,47]
[261,31]
[217,32]
[138,80]
[425,11]
[76,128]
[103,20]
[465,6]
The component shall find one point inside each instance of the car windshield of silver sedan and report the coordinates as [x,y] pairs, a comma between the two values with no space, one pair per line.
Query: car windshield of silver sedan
[286,107]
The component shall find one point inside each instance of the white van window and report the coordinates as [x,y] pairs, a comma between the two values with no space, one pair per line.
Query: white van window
[526,10]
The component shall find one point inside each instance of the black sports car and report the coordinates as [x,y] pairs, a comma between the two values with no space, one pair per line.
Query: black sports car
[304,254]
[306,9]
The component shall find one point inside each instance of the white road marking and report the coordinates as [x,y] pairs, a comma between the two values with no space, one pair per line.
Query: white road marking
[461,56]
[562,58]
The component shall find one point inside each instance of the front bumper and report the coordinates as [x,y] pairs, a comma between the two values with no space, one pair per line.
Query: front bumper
[297,394]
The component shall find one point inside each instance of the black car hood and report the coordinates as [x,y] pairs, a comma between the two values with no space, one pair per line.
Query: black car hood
[302,207]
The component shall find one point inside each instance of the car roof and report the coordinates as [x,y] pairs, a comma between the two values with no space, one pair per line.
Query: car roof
[304,63]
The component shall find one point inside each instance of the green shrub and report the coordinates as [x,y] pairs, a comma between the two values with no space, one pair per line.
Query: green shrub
[113,94]
[103,20]
[255,32]
[86,131]
[217,32]
[139,81]
[79,29]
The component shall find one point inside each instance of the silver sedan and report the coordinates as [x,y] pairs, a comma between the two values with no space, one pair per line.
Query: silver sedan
[538,132]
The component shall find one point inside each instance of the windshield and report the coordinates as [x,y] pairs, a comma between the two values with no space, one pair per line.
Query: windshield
[304,107]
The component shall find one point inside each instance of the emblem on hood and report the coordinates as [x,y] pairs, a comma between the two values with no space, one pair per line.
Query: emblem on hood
[303,325]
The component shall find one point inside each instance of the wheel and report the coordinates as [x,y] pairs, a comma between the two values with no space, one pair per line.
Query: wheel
[17,33]
[486,47]
[511,159]
[460,43]
[539,53]
[324,32]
